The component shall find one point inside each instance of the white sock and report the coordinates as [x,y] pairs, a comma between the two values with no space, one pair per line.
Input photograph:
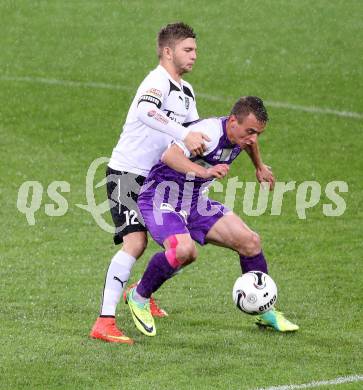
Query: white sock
[116,279]
[138,298]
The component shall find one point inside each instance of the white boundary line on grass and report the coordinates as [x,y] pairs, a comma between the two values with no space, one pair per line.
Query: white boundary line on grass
[98,85]
[296,107]
[332,382]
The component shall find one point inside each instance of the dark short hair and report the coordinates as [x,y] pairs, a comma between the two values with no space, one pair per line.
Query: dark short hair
[250,105]
[171,33]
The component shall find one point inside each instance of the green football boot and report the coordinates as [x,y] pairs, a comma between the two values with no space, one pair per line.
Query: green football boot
[141,314]
[275,319]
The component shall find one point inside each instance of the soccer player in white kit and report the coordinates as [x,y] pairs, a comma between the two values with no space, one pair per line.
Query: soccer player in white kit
[163,102]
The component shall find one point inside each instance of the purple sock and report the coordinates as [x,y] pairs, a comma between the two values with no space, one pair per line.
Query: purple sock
[157,272]
[253,263]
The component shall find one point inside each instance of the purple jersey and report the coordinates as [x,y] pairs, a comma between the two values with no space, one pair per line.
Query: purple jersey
[171,186]
[174,203]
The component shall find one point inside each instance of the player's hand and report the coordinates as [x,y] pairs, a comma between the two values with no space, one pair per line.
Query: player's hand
[194,142]
[264,174]
[218,171]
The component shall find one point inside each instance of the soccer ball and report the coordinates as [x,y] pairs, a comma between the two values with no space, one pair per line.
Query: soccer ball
[254,292]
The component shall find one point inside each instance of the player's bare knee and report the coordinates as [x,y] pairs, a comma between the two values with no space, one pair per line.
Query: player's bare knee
[251,245]
[135,244]
[186,253]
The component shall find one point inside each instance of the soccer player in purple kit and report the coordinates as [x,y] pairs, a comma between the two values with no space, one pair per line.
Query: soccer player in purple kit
[176,212]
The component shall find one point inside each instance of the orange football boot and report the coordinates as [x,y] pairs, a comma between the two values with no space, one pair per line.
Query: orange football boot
[105,329]
[156,310]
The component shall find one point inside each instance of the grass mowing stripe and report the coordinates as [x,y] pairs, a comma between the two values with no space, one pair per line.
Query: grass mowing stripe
[333,382]
[100,85]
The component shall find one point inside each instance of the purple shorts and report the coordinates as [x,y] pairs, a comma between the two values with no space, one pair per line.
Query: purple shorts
[163,221]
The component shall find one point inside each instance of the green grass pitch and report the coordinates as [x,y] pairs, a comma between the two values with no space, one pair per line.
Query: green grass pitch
[302,53]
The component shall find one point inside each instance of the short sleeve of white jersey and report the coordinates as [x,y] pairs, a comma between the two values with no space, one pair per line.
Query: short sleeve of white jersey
[212,127]
[182,147]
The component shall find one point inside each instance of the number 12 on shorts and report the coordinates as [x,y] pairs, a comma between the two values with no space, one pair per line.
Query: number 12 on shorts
[131,216]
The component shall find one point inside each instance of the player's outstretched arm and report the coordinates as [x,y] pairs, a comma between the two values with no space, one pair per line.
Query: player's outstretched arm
[264,173]
[175,158]
[149,114]
[152,116]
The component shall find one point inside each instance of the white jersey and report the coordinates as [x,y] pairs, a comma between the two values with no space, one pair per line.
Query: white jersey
[154,119]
